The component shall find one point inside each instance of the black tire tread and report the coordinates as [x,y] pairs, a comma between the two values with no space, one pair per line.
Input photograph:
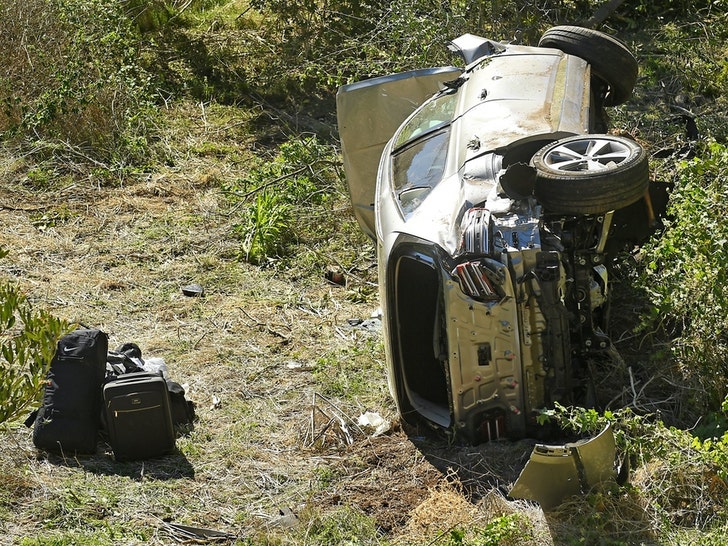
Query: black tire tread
[610,59]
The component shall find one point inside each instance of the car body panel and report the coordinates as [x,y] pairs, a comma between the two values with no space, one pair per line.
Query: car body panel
[471,47]
[553,473]
[522,94]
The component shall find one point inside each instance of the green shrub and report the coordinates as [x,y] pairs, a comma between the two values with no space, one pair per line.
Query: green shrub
[686,272]
[305,49]
[265,228]
[28,339]
[321,45]
[686,64]
[72,81]
[148,15]
[661,10]
[302,177]
[300,51]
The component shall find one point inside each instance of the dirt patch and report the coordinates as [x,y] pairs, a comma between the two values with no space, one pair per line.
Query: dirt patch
[385,477]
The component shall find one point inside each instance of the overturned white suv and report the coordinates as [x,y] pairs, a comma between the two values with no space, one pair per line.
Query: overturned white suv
[491,193]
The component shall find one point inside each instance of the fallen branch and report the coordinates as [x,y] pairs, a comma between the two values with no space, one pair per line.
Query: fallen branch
[603,13]
[292,174]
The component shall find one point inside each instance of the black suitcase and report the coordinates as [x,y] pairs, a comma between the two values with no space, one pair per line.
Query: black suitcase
[138,416]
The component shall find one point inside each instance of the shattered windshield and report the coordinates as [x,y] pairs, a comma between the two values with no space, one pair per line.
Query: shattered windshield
[423,162]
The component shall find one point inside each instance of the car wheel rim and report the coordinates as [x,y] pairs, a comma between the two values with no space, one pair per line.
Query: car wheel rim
[594,154]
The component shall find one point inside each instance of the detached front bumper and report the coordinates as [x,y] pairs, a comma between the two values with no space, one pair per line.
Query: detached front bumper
[555,472]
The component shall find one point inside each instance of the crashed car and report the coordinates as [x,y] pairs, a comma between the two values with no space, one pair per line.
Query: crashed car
[491,193]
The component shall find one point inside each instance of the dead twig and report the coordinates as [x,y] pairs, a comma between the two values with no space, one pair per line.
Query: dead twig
[265,185]
[335,420]
[26,209]
[603,13]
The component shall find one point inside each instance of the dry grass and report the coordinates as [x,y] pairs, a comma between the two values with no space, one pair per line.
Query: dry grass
[252,352]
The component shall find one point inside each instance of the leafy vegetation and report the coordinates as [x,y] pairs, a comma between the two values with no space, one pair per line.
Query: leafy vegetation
[28,338]
[146,144]
[303,175]
[505,529]
[685,272]
[72,85]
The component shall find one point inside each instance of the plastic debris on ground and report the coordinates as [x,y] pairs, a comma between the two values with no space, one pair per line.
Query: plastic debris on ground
[374,424]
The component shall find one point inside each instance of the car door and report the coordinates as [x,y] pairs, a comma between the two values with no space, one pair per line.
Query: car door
[368,114]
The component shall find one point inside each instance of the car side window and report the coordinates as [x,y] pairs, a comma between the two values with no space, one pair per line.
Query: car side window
[420,151]
[432,115]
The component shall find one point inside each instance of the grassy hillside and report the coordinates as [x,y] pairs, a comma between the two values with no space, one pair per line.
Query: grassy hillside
[148,145]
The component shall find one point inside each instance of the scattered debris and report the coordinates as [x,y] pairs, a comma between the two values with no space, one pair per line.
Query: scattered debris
[185,533]
[335,276]
[286,520]
[216,402]
[374,424]
[373,325]
[193,290]
[297,366]
[156,365]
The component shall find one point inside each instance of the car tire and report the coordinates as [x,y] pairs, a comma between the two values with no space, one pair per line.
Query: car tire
[590,174]
[610,59]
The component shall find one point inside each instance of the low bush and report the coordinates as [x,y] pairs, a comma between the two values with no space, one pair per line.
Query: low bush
[28,339]
[72,84]
[685,271]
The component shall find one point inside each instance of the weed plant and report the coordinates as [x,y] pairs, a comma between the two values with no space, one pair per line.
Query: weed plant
[28,337]
[304,175]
